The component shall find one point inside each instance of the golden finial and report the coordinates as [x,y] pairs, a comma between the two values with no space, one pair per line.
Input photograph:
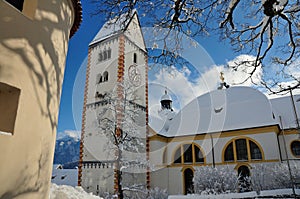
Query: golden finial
[222,77]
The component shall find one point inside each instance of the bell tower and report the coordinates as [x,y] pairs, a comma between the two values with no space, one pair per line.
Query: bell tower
[115,112]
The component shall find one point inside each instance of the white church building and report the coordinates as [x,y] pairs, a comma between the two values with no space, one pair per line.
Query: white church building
[235,126]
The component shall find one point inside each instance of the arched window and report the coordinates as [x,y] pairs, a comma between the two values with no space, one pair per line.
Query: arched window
[188,154]
[241,149]
[244,180]
[104,55]
[199,158]
[254,151]
[98,79]
[100,58]
[238,150]
[295,146]
[134,58]
[109,53]
[228,156]
[177,156]
[105,76]
[188,181]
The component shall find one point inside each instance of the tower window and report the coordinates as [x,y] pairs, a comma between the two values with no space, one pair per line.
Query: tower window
[9,101]
[98,79]
[104,55]
[109,53]
[105,76]
[134,58]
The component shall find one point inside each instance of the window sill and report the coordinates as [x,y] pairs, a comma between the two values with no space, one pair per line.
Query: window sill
[5,133]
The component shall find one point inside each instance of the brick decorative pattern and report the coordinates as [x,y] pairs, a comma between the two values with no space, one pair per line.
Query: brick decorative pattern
[119,116]
[147,122]
[84,117]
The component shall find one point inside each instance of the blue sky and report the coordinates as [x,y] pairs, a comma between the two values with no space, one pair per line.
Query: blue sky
[218,51]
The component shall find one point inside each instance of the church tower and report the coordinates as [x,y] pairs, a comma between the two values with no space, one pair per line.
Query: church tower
[114,145]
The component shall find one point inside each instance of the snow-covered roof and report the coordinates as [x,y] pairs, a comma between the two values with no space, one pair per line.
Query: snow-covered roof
[283,107]
[65,177]
[223,110]
[113,27]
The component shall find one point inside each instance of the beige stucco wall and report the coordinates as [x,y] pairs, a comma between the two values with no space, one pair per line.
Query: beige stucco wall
[32,58]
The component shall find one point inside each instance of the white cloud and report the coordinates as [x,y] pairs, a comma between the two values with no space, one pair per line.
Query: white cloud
[76,135]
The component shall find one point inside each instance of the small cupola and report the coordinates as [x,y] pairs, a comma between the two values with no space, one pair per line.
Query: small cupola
[166,101]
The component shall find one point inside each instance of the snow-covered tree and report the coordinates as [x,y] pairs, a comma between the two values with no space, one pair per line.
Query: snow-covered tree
[266,29]
[122,121]
[215,180]
[273,176]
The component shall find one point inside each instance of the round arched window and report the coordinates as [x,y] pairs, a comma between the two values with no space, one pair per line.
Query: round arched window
[239,149]
[188,154]
[295,146]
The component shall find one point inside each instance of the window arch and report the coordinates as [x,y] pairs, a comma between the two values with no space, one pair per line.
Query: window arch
[98,79]
[242,149]
[109,53]
[295,148]
[188,175]
[188,154]
[105,54]
[105,76]
[243,178]
[100,58]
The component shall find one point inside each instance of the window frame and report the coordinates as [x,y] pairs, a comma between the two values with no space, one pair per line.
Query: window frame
[248,150]
[181,148]
[28,9]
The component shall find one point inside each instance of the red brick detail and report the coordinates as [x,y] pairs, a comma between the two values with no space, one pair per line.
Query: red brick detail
[147,123]
[119,115]
[84,117]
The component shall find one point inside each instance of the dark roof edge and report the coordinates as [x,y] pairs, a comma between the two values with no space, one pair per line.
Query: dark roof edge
[226,131]
[77,16]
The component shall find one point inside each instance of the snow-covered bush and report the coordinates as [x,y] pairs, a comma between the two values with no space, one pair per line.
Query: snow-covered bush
[209,180]
[273,176]
[68,192]
[157,193]
[134,193]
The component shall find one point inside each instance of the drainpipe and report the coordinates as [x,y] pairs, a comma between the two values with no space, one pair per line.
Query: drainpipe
[278,142]
[295,111]
[212,150]
[287,159]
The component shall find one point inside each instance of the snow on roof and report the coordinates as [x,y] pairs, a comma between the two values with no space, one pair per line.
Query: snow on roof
[113,27]
[223,110]
[65,177]
[68,192]
[283,107]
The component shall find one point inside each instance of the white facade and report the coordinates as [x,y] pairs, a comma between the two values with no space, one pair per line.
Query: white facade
[238,117]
